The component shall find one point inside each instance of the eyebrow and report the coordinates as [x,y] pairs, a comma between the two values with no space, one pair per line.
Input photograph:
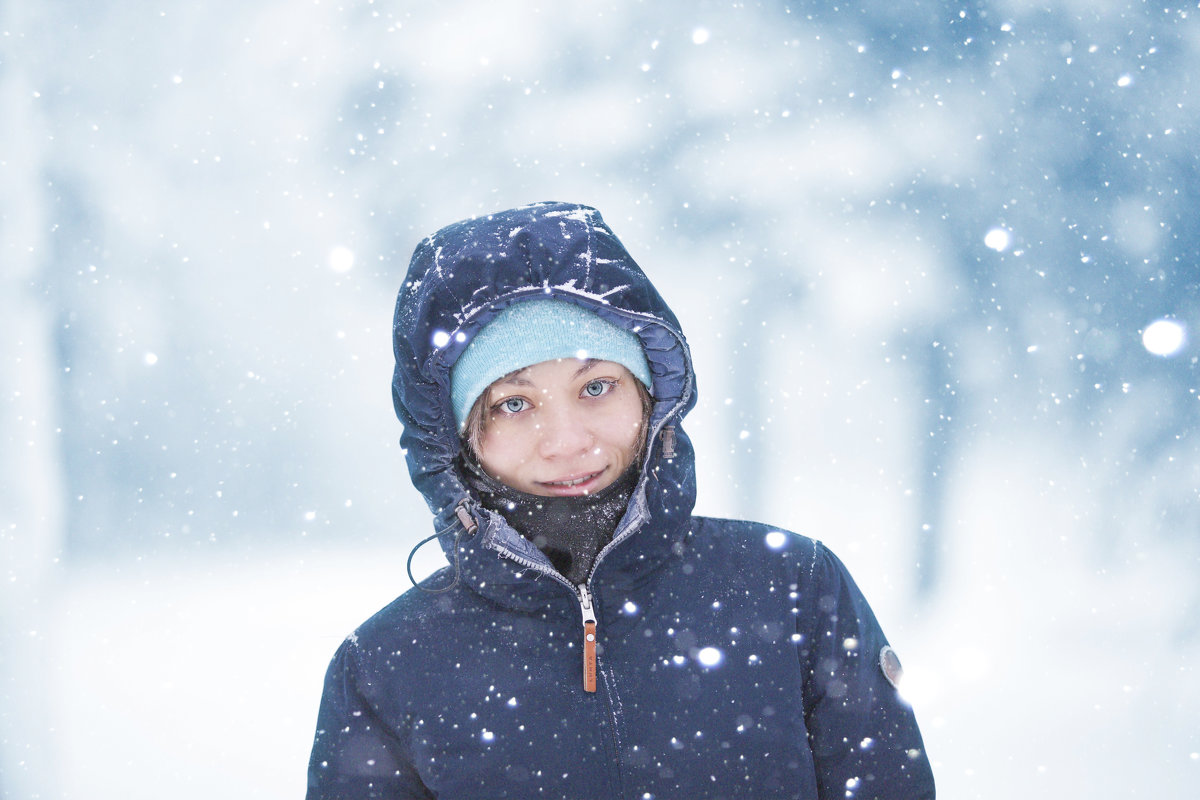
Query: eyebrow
[514,378]
[588,363]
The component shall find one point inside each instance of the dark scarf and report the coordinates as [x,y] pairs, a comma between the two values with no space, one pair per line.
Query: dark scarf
[571,531]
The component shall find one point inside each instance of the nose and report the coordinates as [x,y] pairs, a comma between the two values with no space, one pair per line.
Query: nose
[563,432]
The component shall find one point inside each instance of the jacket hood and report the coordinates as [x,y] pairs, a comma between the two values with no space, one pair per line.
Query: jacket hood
[459,279]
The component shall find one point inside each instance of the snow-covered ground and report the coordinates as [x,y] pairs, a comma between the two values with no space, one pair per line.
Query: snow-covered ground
[200,678]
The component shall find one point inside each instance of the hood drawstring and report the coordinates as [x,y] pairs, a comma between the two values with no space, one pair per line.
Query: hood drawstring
[668,441]
[467,525]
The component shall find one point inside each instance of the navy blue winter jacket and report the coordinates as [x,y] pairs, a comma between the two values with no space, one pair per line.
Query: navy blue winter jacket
[731,659]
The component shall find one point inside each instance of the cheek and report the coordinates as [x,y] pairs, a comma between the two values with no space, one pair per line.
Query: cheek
[636,431]
[629,427]
[497,449]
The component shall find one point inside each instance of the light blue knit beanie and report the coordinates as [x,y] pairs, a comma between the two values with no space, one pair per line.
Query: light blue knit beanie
[534,331]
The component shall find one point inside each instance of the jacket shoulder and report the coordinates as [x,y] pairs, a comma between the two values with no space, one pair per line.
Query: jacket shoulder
[754,539]
[749,546]
[414,616]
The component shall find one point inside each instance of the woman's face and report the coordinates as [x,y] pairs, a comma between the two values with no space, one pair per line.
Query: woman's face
[561,428]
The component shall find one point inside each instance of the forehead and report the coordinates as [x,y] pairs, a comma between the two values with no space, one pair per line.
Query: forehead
[548,373]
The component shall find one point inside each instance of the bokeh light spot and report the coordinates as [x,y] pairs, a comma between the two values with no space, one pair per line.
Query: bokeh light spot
[341,259]
[1164,337]
[998,239]
[710,657]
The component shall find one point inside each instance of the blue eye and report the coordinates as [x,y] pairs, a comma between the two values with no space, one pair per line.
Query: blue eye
[597,387]
[513,405]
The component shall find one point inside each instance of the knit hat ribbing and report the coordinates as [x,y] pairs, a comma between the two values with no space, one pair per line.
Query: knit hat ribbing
[534,331]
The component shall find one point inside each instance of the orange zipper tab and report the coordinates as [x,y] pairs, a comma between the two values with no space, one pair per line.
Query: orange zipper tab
[589,639]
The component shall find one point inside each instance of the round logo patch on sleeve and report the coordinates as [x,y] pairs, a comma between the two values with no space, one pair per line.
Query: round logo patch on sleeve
[889,662]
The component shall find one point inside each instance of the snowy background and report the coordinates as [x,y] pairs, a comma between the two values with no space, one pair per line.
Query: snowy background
[937,262]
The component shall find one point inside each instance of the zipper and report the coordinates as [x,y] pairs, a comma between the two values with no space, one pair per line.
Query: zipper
[585,606]
[589,638]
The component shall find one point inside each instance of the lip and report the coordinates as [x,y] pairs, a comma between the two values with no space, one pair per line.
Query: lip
[571,485]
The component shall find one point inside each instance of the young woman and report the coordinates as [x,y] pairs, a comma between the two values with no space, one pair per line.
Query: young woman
[591,638]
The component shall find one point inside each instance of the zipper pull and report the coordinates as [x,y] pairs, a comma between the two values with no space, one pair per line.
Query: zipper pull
[589,639]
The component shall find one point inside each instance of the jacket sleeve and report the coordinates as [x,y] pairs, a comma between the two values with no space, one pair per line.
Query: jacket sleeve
[864,736]
[355,756]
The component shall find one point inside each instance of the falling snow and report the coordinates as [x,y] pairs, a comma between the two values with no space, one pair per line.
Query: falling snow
[937,268]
